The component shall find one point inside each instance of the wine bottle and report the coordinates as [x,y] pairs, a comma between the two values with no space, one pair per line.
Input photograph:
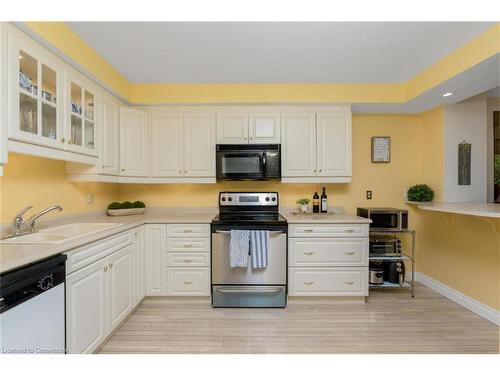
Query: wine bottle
[324,202]
[316,202]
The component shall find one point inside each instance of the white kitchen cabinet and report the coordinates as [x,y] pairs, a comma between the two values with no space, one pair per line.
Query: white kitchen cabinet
[264,128]
[199,144]
[234,127]
[298,158]
[81,116]
[110,138]
[316,147]
[86,300]
[334,144]
[3,97]
[120,282]
[139,265]
[134,143]
[37,95]
[167,144]
[156,251]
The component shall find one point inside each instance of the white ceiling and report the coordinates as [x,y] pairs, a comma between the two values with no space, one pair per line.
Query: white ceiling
[258,52]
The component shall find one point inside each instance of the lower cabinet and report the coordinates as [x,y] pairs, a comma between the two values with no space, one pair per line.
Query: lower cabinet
[100,295]
[328,260]
[178,260]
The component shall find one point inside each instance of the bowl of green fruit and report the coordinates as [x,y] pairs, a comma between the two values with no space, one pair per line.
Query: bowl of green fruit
[125,208]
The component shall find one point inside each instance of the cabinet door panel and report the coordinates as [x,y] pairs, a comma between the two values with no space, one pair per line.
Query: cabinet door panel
[156,251]
[140,266]
[86,299]
[166,144]
[299,144]
[232,127]
[264,128]
[119,286]
[334,144]
[134,143]
[110,141]
[199,145]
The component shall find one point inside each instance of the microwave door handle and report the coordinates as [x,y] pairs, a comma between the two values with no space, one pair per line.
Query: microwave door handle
[264,169]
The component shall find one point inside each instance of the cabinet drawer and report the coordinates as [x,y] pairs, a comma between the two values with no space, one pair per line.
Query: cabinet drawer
[188,281]
[331,281]
[188,244]
[328,252]
[87,254]
[190,259]
[188,230]
[328,230]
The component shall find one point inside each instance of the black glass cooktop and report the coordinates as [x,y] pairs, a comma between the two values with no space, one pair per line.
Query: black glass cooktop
[248,217]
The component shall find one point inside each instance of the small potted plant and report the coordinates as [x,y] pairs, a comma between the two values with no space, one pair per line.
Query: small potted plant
[304,204]
[126,208]
[420,193]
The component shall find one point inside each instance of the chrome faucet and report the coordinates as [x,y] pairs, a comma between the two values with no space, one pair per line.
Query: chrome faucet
[19,225]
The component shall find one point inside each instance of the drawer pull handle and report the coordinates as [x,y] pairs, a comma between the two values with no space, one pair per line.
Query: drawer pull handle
[187,260]
[188,245]
[309,252]
[308,230]
[348,282]
[308,282]
[188,230]
[349,253]
[188,282]
[349,230]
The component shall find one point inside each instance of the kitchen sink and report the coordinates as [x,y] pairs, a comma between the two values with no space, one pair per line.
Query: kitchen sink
[60,234]
[78,229]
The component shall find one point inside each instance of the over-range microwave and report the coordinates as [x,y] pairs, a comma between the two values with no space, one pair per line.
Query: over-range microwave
[258,162]
[385,219]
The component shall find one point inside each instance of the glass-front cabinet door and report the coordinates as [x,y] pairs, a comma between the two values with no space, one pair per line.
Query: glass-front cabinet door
[81,130]
[36,88]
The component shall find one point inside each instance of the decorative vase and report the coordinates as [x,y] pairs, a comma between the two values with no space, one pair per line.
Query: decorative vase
[303,208]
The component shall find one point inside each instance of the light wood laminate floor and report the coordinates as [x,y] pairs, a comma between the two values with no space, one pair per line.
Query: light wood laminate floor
[390,322]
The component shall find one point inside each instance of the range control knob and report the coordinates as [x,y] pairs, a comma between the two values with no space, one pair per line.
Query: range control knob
[223,199]
[267,199]
[46,282]
[273,199]
[229,199]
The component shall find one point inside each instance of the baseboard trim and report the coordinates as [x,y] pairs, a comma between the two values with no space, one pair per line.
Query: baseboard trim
[469,303]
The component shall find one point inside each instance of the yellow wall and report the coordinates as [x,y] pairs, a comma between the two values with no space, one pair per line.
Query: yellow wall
[42,182]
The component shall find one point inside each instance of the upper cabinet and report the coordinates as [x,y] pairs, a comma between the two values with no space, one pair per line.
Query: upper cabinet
[134,143]
[37,97]
[183,144]
[234,127]
[317,146]
[81,118]
[110,137]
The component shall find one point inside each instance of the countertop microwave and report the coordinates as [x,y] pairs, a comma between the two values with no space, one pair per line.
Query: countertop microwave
[385,218]
[256,162]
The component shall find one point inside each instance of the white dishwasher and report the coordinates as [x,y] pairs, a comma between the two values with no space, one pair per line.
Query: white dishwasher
[32,308]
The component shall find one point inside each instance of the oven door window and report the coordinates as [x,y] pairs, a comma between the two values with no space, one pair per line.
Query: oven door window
[241,164]
[384,220]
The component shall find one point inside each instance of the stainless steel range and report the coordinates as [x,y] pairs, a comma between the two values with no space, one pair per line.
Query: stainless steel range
[247,286]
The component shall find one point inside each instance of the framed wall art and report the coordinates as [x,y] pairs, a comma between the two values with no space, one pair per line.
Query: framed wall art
[381,149]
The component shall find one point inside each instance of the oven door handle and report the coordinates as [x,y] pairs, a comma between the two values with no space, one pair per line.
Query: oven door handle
[250,290]
[271,233]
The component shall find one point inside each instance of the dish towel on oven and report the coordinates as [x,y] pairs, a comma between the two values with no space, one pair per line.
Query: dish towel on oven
[259,245]
[239,248]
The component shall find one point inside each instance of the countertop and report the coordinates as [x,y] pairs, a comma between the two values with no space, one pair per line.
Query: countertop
[336,218]
[490,210]
[17,255]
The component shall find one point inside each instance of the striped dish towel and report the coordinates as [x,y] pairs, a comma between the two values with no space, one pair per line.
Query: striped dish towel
[259,245]
[239,248]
